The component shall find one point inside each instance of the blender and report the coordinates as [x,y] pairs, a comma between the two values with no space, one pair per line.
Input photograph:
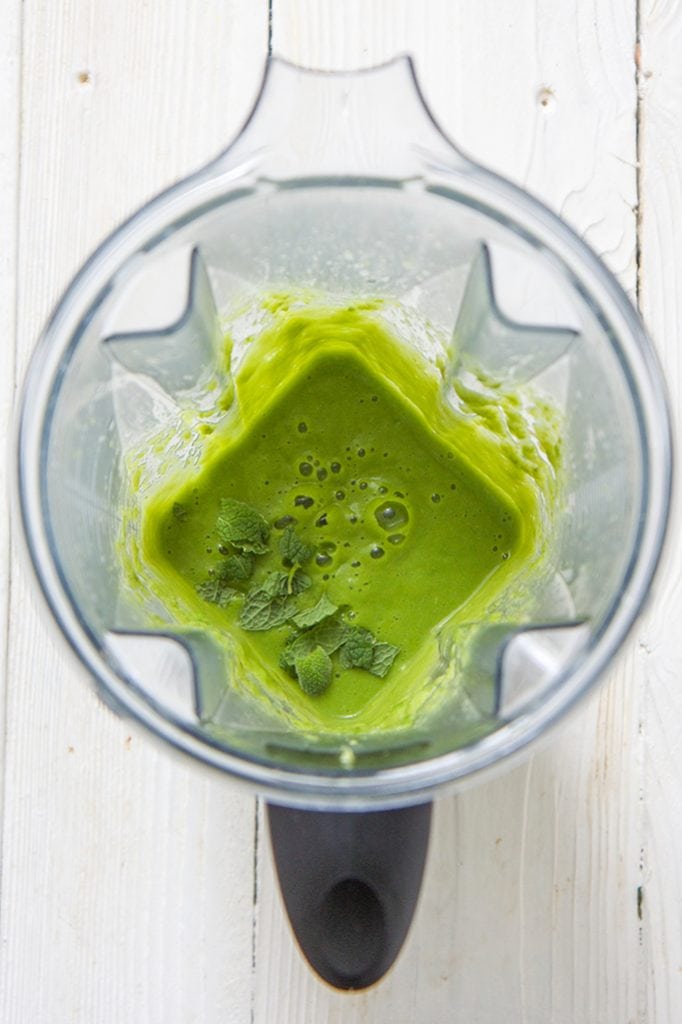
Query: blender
[343,184]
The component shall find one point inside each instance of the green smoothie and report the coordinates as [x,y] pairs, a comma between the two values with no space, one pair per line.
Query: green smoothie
[343,499]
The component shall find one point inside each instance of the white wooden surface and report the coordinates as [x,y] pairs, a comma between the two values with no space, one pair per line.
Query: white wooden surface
[133,887]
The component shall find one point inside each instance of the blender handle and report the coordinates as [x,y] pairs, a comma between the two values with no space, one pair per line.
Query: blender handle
[350,882]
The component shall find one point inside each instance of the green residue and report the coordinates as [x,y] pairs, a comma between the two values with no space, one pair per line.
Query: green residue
[405,515]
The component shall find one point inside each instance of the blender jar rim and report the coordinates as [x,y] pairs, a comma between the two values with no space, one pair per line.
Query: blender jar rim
[463,182]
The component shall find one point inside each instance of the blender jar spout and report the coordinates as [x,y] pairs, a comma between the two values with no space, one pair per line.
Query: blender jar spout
[308,123]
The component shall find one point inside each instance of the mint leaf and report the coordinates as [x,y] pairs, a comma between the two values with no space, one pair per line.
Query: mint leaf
[362,650]
[383,657]
[215,590]
[328,635]
[285,584]
[262,611]
[269,604]
[314,671]
[218,587]
[287,661]
[293,550]
[358,649]
[311,616]
[179,511]
[236,568]
[242,526]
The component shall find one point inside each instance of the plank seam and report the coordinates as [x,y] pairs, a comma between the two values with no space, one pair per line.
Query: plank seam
[254,917]
[641,967]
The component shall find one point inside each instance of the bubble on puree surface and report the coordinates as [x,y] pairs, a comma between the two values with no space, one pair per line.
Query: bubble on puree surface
[371,501]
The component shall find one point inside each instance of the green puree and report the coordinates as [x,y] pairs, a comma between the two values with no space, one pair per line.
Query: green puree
[417,518]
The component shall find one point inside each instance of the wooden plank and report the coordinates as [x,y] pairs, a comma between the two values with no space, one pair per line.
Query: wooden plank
[660,654]
[9,184]
[529,905]
[127,875]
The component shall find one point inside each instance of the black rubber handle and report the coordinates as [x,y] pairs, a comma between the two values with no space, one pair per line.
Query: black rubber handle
[350,882]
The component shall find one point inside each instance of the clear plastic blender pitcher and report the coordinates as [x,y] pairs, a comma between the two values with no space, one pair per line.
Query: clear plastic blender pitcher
[343,184]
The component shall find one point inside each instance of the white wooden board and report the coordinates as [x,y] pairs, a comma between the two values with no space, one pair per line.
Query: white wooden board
[660,646]
[127,877]
[10,54]
[529,910]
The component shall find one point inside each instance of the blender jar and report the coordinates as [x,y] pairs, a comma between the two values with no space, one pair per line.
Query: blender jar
[342,184]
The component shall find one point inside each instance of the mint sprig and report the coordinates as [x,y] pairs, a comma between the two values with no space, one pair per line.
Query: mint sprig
[293,549]
[286,584]
[318,631]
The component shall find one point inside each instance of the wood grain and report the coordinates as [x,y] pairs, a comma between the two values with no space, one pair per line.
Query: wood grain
[529,906]
[552,892]
[10,59]
[127,877]
[660,653]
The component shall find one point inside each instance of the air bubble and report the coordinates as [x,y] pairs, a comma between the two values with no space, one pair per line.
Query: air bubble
[323,559]
[340,495]
[335,467]
[303,500]
[361,453]
[322,474]
[363,486]
[376,552]
[391,514]
[435,498]
[322,521]
[356,565]
[396,538]
[303,428]
[279,524]
[305,469]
